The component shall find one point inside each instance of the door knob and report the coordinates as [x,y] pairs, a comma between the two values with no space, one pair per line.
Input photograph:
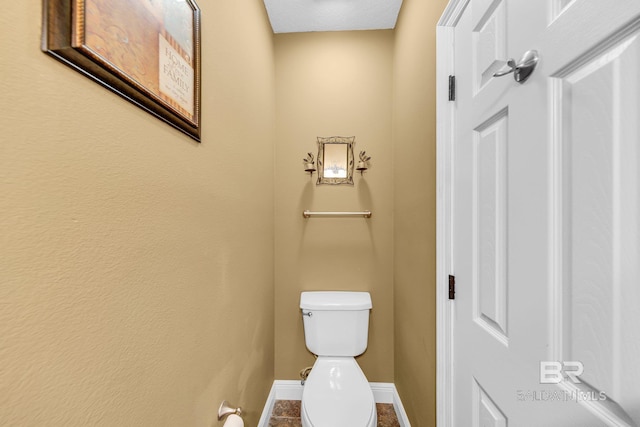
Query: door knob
[523,69]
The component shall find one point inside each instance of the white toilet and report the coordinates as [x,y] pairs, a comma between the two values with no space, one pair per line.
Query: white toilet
[336,393]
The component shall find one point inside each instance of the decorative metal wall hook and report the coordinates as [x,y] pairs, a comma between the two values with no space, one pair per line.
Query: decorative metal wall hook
[363,164]
[226,409]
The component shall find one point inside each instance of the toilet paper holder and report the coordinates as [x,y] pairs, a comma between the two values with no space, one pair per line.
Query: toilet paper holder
[226,409]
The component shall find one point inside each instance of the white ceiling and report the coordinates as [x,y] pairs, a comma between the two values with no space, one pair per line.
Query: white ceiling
[297,16]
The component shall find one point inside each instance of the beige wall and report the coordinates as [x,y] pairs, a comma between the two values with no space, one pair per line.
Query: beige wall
[137,278]
[136,281]
[333,84]
[414,131]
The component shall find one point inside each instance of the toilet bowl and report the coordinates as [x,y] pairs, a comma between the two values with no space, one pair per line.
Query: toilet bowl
[337,394]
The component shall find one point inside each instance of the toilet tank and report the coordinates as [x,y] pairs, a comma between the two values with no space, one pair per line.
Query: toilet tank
[336,323]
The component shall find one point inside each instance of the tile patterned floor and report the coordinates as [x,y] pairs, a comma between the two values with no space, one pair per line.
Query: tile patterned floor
[286,413]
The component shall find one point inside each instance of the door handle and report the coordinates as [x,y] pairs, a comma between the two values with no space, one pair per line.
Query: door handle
[512,66]
[523,69]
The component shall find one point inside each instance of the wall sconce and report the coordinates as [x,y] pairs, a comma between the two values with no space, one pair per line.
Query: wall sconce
[309,164]
[363,164]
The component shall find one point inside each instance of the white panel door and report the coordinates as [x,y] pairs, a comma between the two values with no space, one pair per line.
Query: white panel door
[546,215]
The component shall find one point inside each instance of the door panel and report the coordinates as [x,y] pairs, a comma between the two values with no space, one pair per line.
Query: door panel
[559,6]
[489,287]
[597,101]
[485,412]
[489,41]
[546,215]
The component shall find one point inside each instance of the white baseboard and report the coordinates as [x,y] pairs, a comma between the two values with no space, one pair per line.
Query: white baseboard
[268,407]
[292,390]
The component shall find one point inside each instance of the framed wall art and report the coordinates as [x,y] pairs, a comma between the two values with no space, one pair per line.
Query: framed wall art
[147,51]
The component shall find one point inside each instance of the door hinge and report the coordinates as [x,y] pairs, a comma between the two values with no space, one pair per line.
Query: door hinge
[452,287]
[452,88]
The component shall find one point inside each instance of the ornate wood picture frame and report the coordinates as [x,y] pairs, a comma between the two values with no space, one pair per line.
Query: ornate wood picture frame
[147,51]
[335,160]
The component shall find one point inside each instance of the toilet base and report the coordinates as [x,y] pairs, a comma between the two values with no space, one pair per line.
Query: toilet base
[337,394]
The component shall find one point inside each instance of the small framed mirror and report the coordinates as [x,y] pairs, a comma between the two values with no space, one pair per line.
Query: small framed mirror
[335,160]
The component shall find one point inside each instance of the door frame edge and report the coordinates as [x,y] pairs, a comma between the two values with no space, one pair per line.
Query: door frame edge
[445,118]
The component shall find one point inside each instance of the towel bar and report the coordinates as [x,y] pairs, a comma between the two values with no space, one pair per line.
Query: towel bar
[311,214]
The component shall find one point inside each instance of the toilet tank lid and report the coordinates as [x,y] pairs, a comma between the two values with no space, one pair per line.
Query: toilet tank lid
[335,300]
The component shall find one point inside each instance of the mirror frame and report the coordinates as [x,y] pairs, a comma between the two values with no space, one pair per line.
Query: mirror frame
[349,142]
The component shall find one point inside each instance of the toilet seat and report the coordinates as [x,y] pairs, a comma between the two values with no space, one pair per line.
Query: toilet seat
[337,394]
